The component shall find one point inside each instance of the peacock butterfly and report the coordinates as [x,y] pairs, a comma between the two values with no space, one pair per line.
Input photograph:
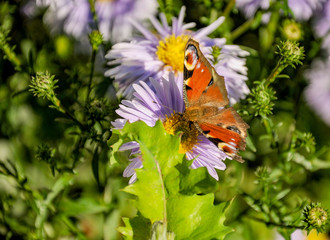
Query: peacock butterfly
[207,102]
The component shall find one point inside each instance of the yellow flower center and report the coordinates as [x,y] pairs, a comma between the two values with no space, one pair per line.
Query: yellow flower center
[178,123]
[171,51]
[313,235]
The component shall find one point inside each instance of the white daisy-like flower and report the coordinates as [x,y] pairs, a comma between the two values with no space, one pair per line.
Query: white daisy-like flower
[158,52]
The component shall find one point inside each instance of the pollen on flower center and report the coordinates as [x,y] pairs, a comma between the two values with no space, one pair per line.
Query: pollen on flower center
[178,123]
[171,51]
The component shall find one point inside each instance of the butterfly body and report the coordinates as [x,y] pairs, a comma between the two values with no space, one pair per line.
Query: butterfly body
[207,102]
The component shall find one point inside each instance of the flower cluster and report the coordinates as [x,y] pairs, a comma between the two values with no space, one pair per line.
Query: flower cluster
[316,217]
[114,18]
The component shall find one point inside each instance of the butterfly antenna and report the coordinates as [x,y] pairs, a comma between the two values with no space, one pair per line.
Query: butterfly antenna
[162,105]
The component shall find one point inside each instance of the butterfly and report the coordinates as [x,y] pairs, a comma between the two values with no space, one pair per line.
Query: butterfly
[206,101]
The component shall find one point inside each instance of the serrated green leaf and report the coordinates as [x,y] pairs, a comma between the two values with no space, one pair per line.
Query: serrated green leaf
[159,155]
[157,188]
[197,181]
[195,217]
[137,228]
[126,231]
[114,143]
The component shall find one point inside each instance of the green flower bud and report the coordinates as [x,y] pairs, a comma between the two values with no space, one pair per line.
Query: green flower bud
[96,39]
[291,53]
[43,85]
[315,217]
[292,30]
[261,99]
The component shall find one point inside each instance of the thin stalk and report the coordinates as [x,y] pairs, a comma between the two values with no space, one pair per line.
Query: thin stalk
[69,115]
[164,196]
[241,29]
[228,8]
[91,73]
[276,71]
[275,224]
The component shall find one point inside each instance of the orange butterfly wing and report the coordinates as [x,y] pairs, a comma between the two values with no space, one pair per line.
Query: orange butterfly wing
[201,82]
[205,97]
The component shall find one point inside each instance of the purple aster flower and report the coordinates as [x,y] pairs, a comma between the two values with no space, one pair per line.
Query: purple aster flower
[159,52]
[326,44]
[74,17]
[164,100]
[304,9]
[250,7]
[322,20]
[318,91]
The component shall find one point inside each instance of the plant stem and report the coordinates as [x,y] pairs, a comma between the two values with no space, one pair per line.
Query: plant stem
[276,71]
[241,29]
[91,75]
[228,8]
[282,225]
[69,115]
[164,195]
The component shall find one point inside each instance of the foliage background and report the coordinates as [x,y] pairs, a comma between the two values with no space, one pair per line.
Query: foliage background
[57,180]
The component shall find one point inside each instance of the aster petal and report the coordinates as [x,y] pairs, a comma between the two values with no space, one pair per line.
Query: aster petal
[164,21]
[163,31]
[135,115]
[119,123]
[181,17]
[130,169]
[146,33]
[209,29]
[206,154]
[129,146]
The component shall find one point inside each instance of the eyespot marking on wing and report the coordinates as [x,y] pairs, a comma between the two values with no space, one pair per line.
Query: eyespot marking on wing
[233,128]
[191,57]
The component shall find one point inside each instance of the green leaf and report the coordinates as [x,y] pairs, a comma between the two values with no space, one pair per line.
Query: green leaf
[159,155]
[159,185]
[195,217]
[95,166]
[196,181]
[81,206]
[137,228]
[114,143]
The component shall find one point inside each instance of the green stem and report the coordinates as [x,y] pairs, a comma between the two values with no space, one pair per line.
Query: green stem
[164,195]
[276,71]
[91,75]
[282,225]
[241,29]
[92,6]
[228,8]
[69,115]
[59,185]
[8,51]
